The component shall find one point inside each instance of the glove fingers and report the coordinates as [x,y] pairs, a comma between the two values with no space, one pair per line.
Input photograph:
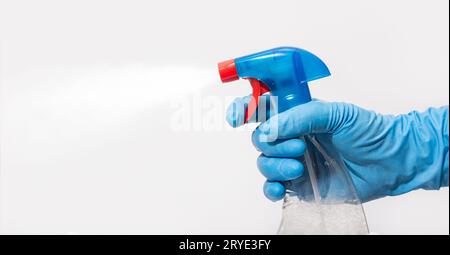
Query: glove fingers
[274,190]
[279,169]
[290,148]
[312,117]
[236,110]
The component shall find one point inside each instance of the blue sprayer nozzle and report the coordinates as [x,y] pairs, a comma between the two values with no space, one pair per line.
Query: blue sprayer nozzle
[284,72]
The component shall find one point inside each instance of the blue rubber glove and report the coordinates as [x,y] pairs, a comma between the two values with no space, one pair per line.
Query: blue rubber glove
[386,155]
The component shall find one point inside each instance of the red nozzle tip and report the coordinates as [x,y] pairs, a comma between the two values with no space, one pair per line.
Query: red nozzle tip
[227,71]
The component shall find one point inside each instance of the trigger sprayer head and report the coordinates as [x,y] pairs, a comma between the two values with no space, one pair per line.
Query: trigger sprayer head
[284,72]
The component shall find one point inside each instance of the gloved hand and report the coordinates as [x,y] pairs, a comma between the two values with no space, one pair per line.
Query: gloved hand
[386,155]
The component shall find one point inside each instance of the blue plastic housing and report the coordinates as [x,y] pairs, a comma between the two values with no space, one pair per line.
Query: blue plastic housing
[286,71]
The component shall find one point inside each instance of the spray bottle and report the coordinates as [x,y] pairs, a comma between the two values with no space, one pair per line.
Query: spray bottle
[324,199]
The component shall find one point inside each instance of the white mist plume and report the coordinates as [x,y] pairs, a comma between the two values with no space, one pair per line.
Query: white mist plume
[102,91]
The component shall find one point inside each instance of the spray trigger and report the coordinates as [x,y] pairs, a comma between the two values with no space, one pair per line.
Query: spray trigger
[258,89]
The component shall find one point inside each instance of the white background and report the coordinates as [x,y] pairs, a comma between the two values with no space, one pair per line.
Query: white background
[87,141]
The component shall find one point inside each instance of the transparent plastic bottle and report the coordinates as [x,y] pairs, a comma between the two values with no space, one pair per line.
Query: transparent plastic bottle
[324,200]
